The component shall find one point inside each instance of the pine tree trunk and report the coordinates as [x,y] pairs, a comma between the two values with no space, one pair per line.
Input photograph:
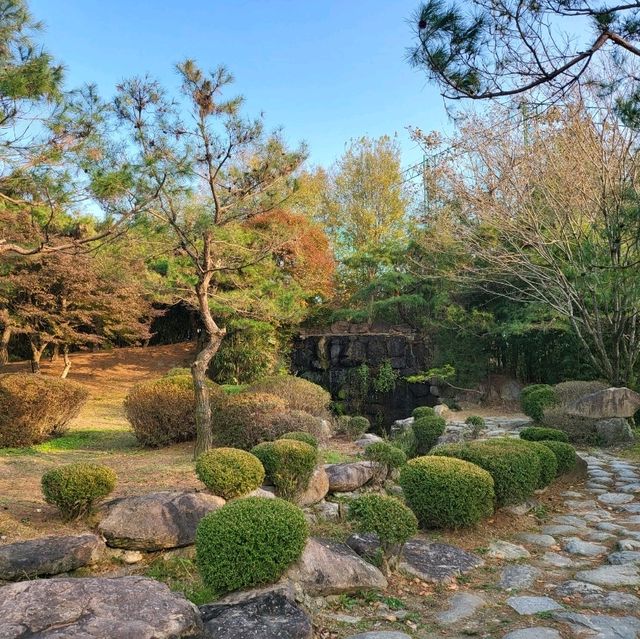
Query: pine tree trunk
[4,345]
[55,352]
[67,362]
[36,356]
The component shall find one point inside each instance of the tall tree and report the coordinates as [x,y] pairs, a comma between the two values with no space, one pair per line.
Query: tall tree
[211,168]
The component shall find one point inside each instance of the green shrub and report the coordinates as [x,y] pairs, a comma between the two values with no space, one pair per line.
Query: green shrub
[162,411]
[288,464]
[34,408]
[246,419]
[426,431]
[353,427]
[386,457]
[445,492]
[475,420]
[534,399]
[298,393]
[249,542]
[515,469]
[75,488]
[301,437]
[292,421]
[229,472]
[423,411]
[565,455]
[537,433]
[388,518]
[547,460]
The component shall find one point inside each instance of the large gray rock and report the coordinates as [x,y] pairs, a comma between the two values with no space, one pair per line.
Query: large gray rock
[461,606]
[343,478]
[316,490]
[49,556]
[435,562]
[613,431]
[122,608]
[330,568]
[519,577]
[156,521]
[624,575]
[533,605]
[268,616]
[600,626]
[610,402]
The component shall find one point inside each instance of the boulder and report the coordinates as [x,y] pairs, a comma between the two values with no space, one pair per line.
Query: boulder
[156,521]
[343,478]
[610,402]
[330,568]
[435,562]
[120,608]
[271,615]
[613,431]
[316,490]
[442,410]
[49,556]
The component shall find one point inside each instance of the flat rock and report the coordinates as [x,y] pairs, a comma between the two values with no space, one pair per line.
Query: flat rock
[344,478]
[570,520]
[625,575]
[316,490]
[505,550]
[631,489]
[328,567]
[628,544]
[268,616]
[575,546]
[156,521]
[519,577]
[579,505]
[436,562]
[544,541]
[536,632]
[120,608]
[561,530]
[49,556]
[601,626]
[461,606]
[380,634]
[614,499]
[533,605]
[557,560]
[623,557]
[572,588]
[633,509]
[613,601]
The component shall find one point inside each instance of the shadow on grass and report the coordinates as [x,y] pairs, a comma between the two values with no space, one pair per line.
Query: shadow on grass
[102,440]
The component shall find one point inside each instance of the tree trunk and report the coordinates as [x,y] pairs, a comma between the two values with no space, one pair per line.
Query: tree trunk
[36,355]
[67,362]
[55,352]
[4,345]
[213,336]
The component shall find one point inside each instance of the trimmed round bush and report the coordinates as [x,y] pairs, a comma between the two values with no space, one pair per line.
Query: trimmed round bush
[385,516]
[298,393]
[230,472]
[75,488]
[288,464]
[386,457]
[301,437]
[356,426]
[445,492]
[423,411]
[538,433]
[297,421]
[247,419]
[249,542]
[547,461]
[162,411]
[426,431]
[34,408]
[565,455]
[515,469]
[534,399]
[475,420]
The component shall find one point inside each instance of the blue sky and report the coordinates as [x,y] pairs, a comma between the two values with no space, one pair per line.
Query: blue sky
[325,70]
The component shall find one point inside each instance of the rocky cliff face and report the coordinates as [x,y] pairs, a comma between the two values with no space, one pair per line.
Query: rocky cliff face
[333,359]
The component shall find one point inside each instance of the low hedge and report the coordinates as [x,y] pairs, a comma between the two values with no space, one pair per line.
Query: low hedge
[288,464]
[534,399]
[299,436]
[426,431]
[34,408]
[538,433]
[515,469]
[547,460]
[298,393]
[75,488]
[162,411]
[445,492]
[565,455]
[230,472]
[249,542]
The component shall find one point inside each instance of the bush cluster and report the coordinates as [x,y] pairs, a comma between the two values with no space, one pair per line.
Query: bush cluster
[565,455]
[162,411]
[534,399]
[445,492]
[300,436]
[34,408]
[423,411]
[230,472]
[75,488]
[249,542]
[538,433]
[548,465]
[288,465]
[386,457]
[298,393]
[515,469]
[352,426]
[475,420]
[426,431]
